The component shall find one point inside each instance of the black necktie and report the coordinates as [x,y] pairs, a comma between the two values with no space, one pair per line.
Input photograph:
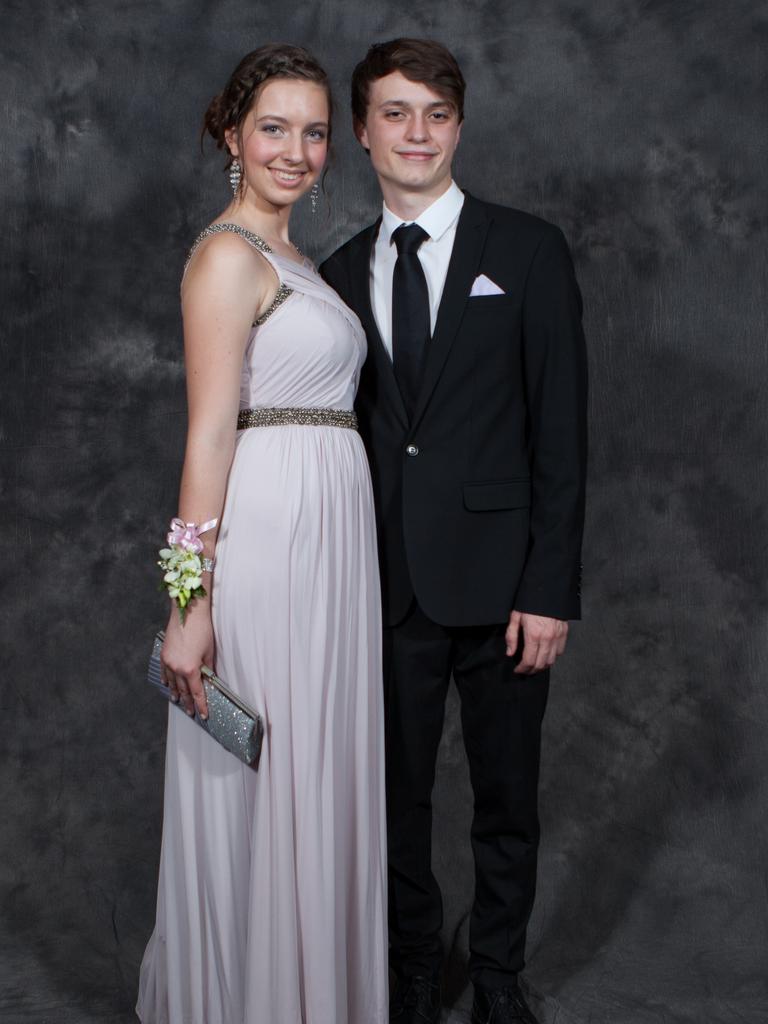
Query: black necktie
[410,313]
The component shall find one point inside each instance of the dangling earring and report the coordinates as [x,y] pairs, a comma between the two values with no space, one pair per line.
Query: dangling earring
[314,193]
[235,175]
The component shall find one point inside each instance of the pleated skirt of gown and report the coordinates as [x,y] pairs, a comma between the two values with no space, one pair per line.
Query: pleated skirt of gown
[272,892]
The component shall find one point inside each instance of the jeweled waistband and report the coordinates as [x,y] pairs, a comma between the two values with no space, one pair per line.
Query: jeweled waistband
[275,417]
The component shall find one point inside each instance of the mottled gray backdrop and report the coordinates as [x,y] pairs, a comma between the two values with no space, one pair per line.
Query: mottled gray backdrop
[637,125]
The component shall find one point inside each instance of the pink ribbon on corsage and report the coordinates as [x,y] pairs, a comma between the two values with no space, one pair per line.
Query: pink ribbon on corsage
[187,535]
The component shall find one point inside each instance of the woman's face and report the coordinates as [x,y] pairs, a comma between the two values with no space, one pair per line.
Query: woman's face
[284,140]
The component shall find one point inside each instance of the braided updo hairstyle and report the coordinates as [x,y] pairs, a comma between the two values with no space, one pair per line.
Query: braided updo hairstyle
[229,108]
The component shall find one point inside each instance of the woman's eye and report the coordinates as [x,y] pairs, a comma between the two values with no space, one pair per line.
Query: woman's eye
[316,134]
[270,129]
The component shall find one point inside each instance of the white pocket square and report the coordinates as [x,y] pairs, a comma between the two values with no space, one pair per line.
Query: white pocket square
[484,286]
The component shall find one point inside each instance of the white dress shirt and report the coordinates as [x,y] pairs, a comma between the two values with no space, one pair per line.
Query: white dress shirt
[439,221]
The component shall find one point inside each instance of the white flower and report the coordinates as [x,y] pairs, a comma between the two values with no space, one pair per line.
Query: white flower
[181,576]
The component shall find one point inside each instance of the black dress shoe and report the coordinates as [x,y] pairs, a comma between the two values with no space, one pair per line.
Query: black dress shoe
[501,1006]
[415,1001]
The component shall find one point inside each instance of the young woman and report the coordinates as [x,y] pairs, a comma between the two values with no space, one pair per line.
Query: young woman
[272,896]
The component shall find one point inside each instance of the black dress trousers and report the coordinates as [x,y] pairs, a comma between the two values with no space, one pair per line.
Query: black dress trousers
[501,715]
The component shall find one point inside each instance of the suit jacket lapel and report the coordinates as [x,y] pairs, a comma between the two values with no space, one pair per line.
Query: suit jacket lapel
[363,306]
[462,270]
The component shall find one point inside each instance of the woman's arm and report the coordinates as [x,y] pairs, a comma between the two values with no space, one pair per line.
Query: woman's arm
[227,286]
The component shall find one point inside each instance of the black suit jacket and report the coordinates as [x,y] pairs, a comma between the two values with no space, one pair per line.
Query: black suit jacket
[480,499]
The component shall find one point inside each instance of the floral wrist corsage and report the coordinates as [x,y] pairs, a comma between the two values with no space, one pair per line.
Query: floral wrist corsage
[182,565]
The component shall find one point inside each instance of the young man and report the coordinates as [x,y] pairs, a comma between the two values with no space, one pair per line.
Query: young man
[472,407]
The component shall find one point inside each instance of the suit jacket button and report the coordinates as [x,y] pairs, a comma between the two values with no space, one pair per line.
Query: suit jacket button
[412,449]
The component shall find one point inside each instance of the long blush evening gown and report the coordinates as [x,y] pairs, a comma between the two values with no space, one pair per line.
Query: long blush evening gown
[271,905]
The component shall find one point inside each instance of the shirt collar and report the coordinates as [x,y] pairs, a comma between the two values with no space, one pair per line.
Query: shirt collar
[435,220]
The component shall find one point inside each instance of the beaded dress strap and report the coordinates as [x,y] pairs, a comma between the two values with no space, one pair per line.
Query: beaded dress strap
[257,242]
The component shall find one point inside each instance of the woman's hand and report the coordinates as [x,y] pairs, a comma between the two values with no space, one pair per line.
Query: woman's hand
[185,649]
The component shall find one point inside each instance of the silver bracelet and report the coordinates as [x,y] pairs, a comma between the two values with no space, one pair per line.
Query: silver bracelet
[208,564]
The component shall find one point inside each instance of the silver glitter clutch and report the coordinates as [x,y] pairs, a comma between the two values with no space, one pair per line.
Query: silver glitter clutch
[238,728]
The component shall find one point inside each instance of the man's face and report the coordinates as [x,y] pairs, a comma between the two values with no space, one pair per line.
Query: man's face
[411,133]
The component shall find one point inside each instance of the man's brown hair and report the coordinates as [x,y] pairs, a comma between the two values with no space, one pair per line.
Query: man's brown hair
[418,60]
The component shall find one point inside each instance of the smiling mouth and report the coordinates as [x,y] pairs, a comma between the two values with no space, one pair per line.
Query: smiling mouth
[417,155]
[287,177]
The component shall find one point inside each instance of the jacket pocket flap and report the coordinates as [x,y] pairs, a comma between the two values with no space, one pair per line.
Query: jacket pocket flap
[501,495]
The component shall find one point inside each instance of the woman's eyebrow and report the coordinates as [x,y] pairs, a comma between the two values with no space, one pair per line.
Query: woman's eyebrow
[282,120]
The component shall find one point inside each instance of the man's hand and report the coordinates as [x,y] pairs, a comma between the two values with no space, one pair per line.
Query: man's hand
[543,641]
